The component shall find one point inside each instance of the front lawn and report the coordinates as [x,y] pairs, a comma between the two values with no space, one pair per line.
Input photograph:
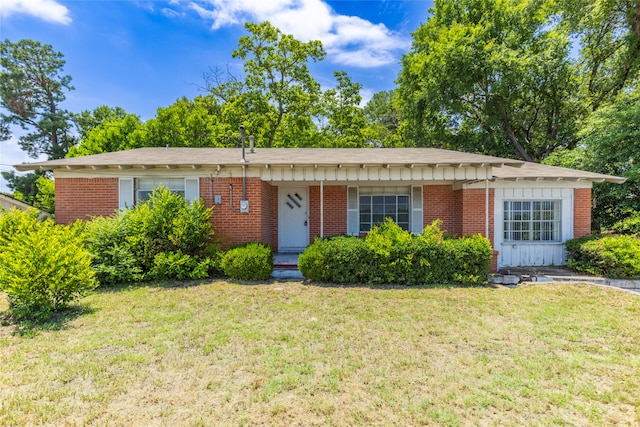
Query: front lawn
[293,354]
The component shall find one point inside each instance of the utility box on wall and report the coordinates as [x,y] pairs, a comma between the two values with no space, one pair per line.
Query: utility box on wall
[244,206]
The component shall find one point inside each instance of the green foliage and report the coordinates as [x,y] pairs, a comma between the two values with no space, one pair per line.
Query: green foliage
[630,225]
[608,256]
[277,76]
[113,260]
[608,33]
[164,237]
[32,91]
[252,261]
[43,266]
[346,122]
[610,143]
[112,133]
[390,254]
[490,76]
[45,198]
[176,265]
[24,186]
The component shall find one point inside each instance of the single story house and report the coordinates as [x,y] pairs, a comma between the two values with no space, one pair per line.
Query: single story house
[286,197]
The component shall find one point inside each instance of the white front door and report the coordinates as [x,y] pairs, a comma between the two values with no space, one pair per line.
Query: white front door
[293,229]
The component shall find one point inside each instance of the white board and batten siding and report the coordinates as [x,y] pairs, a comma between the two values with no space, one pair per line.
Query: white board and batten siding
[519,253]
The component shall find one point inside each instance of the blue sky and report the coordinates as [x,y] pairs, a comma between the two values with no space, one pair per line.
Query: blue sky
[141,55]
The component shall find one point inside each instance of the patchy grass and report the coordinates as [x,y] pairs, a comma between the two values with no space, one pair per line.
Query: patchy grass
[293,354]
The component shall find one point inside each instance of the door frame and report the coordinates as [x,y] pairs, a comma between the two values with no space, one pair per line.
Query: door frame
[282,227]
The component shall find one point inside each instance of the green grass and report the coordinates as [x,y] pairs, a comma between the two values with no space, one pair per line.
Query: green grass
[293,354]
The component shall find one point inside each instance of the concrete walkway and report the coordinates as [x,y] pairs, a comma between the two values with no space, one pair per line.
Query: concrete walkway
[564,274]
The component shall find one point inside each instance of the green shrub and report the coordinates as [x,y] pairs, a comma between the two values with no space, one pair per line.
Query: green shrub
[167,223]
[609,256]
[252,261]
[176,265]
[43,266]
[390,254]
[14,222]
[113,260]
[629,225]
[165,237]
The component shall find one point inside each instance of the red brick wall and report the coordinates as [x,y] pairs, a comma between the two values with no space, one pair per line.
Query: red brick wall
[437,202]
[269,215]
[469,212]
[231,226]
[335,210]
[83,198]
[581,212]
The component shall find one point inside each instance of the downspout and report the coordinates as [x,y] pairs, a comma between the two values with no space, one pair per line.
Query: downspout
[244,169]
[244,182]
[321,209]
[486,208]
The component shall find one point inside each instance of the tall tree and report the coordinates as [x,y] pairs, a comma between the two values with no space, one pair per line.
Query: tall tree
[609,144]
[88,120]
[490,76]
[32,88]
[346,123]
[383,117]
[608,33]
[277,75]
[111,134]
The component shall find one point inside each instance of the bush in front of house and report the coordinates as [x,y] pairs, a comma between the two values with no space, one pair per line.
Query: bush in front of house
[43,266]
[113,260]
[251,261]
[630,225]
[616,256]
[165,237]
[176,265]
[391,255]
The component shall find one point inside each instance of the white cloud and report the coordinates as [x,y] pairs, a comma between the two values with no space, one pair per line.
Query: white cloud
[170,13]
[348,40]
[47,10]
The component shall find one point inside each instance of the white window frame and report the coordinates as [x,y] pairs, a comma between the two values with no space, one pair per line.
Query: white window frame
[536,226]
[129,188]
[414,207]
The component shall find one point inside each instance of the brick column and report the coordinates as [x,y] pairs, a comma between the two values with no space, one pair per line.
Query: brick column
[581,212]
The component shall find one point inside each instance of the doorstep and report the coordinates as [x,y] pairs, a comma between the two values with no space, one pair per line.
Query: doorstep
[285,266]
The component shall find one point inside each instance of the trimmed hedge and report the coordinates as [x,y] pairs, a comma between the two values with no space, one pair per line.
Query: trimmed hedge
[616,257]
[391,255]
[251,261]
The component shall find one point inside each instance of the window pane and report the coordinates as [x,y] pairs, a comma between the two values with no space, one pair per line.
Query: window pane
[536,220]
